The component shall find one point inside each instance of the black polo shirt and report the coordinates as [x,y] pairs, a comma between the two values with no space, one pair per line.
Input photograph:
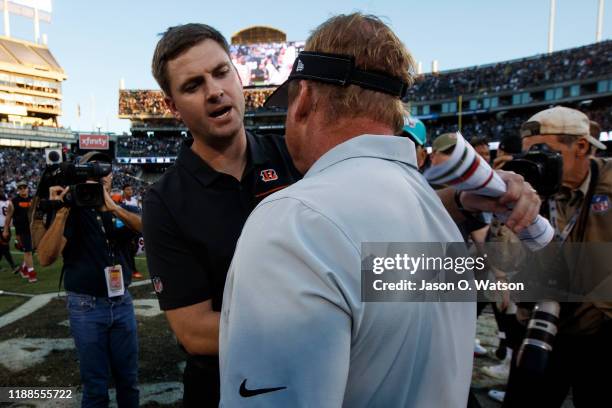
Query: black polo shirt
[86,253]
[193,216]
[21,207]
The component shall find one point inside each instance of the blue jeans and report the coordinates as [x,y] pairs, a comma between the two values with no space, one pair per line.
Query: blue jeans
[104,331]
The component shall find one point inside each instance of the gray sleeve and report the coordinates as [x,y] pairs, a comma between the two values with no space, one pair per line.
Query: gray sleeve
[286,321]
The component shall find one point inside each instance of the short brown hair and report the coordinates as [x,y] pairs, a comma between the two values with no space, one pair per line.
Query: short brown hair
[569,140]
[177,40]
[479,141]
[375,48]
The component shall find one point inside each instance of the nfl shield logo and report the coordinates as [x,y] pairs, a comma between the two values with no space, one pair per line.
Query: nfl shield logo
[157,285]
[600,204]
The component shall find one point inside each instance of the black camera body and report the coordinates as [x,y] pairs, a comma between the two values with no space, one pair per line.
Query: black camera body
[541,167]
[74,175]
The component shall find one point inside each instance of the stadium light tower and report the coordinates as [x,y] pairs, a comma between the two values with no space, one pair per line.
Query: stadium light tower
[36,10]
[551,25]
[7,24]
[600,14]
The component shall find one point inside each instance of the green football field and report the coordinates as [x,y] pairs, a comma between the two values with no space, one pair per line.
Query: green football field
[48,279]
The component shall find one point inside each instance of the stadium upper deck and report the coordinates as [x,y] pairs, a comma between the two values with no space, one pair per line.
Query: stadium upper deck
[30,94]
[558,77]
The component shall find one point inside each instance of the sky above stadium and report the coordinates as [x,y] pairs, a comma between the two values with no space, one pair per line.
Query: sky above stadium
[100,42]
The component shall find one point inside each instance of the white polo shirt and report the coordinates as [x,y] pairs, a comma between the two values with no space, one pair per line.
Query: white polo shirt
[294,332]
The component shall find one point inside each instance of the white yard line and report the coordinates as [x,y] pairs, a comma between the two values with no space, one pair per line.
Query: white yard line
[38,301]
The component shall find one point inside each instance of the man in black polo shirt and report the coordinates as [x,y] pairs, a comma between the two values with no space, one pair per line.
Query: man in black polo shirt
[194,214]
[92,242]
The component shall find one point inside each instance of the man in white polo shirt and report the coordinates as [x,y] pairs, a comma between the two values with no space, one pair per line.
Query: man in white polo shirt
[294,330]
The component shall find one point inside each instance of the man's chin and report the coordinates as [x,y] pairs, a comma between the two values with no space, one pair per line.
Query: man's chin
[223,136]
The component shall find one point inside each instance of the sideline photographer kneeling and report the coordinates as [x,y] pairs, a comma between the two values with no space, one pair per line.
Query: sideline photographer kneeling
[92,238]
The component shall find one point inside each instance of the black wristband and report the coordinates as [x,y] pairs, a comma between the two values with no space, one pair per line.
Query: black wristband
[457,197]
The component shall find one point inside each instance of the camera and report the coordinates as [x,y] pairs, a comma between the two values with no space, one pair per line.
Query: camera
[541,167]
[74,175]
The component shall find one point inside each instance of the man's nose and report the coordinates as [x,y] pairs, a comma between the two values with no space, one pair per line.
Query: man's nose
[215,93]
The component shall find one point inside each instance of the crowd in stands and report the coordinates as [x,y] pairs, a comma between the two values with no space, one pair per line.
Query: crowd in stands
[254,98]
[18,164]
[573,64]
[142,102]
[492,128]
[149,147]
[496,127]
[151,102]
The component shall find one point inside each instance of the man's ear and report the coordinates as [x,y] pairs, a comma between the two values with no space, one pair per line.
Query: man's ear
[303,103]
[583,147]
[171,105]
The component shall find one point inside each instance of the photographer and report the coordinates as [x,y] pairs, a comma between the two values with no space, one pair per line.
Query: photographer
[579,212]
[93,244]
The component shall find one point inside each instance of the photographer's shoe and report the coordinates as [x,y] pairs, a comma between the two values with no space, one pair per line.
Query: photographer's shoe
[32,276]
[497,395]
[500,371]
[501,349]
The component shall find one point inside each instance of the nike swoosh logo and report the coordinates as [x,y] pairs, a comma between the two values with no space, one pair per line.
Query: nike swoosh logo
[246,393]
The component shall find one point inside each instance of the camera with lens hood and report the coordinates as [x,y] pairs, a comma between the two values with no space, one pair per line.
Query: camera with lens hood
[540,166]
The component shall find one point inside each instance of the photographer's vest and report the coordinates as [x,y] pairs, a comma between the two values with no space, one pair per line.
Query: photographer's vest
[585,215]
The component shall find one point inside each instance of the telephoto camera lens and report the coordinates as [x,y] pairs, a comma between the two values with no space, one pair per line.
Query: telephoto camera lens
[534,353]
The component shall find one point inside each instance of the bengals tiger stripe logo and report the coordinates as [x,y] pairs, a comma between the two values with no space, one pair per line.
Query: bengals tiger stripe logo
[268,175]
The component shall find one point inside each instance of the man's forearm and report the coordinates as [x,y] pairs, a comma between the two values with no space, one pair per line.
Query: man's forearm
[198,333]
[9,217]
[447,196]
[52,243]
[132,220]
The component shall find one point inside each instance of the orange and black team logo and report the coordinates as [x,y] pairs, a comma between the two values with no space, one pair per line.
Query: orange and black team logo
[268,175]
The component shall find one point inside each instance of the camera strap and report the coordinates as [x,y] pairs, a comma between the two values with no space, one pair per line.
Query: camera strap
[561,236]
[109,246]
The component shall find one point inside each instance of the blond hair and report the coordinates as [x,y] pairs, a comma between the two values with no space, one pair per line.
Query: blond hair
[375,48]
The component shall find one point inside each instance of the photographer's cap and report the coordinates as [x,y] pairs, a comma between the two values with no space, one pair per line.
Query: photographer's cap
[22,183]
[95,156]
[337,70]
[560,120]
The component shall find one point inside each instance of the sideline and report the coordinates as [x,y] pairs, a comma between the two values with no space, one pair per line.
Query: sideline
[21,253]
[38,301]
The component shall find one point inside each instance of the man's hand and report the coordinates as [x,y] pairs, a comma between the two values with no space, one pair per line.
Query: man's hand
[58,193]
[500,161]
[5,235]
[520,198]
[109,204]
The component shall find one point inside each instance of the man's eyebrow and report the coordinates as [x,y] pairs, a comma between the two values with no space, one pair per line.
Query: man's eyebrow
[220,66]
[196,79]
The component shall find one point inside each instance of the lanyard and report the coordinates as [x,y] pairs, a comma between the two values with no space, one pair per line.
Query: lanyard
[563,235]
[109,247]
